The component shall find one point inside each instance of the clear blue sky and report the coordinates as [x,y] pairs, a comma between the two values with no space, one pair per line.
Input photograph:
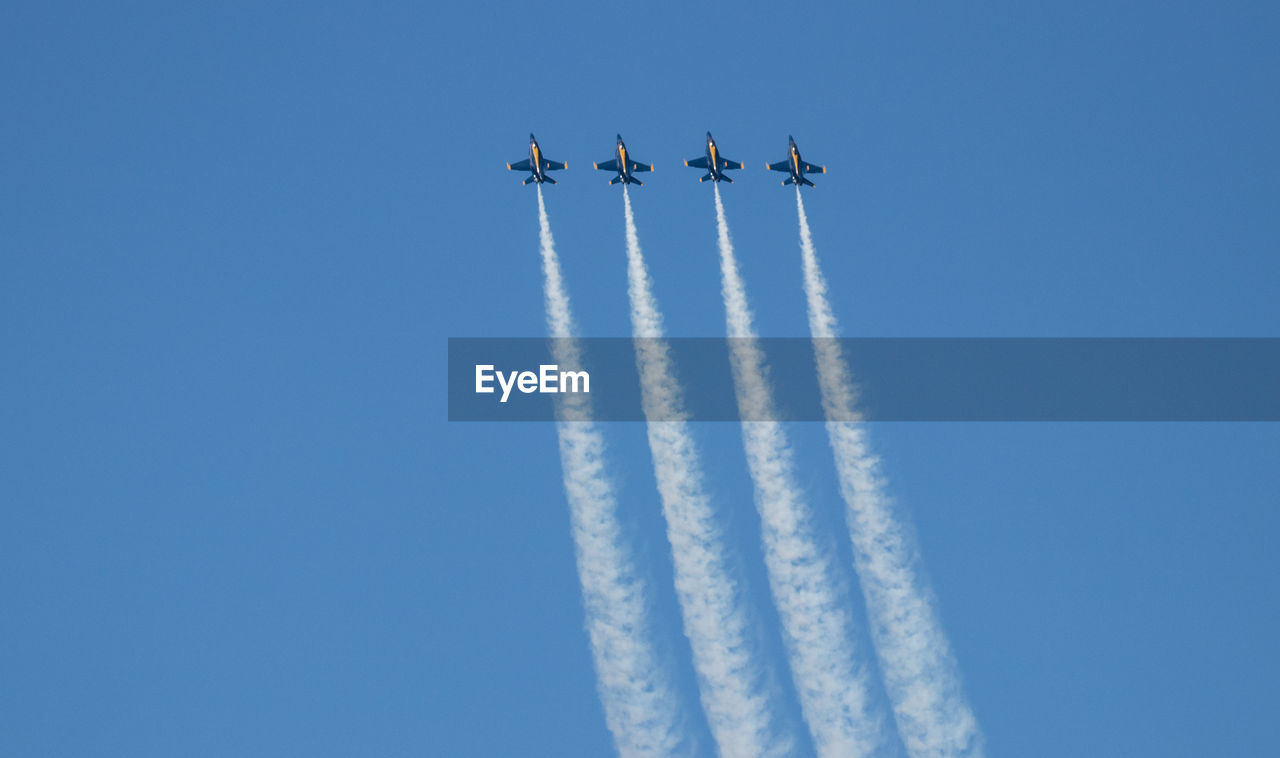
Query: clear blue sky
[233,518]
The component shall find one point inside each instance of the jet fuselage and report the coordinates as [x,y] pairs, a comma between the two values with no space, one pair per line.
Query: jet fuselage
[535,160]
[713,159]
[624,165]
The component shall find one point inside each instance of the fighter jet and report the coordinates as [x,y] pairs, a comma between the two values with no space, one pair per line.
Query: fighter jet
[536,164]
[714,163]
[795,166]
[624,164]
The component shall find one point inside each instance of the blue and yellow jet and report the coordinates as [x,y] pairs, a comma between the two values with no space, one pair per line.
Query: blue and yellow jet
[796,167]
[624,164]
[714,163]
[536,164]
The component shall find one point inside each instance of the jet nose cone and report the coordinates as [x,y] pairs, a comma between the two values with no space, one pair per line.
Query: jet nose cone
[531,135]
[619,137]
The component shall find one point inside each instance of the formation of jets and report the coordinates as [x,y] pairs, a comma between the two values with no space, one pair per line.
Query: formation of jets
[626,167]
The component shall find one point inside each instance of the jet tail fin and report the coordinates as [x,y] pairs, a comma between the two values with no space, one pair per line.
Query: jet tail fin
[615,180]
[633,180]
[803,180]
[787,181]
[530,179]
[548,179]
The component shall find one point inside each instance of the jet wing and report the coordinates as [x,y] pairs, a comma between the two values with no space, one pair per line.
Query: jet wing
[607,165]
[697,163]
[521,166]
[809,168]
[724,163]
[551,165]
[780,166]
[636,166]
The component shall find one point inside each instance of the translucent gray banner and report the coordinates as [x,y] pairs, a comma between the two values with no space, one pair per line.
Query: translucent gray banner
[914,379]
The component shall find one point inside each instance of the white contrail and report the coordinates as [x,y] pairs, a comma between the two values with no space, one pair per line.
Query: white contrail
[735,688]
[640,703]
[920,672]
[832,683]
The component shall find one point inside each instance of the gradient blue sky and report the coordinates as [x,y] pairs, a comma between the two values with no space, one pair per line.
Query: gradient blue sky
[233,242]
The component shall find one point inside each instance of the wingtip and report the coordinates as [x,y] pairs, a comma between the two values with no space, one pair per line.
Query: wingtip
[595,165]
[508,166]
[686,163]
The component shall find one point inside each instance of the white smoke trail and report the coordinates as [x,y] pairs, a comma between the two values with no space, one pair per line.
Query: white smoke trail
[920,672]
[832,684]
[639,699]
[733,685]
